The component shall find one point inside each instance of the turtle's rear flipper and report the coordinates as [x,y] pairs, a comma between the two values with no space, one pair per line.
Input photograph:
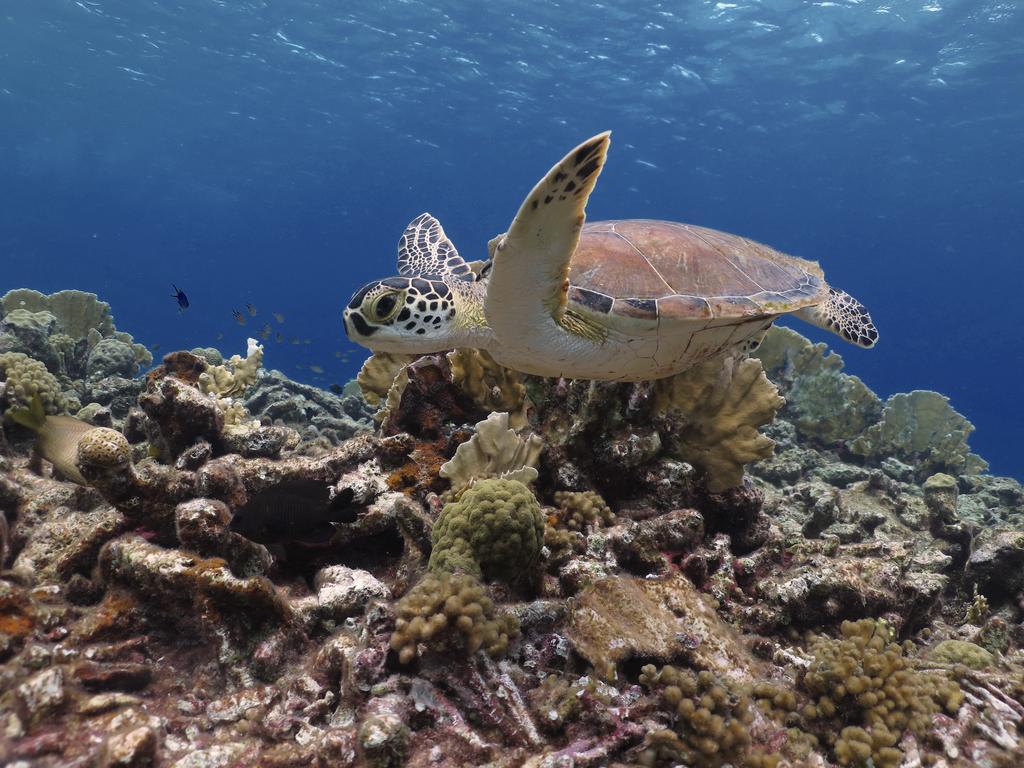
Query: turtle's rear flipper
[844,316]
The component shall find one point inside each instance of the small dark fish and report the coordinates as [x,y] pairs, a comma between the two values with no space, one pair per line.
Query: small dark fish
[266,331]
[251,310]
[155,348]
[279,317]
[337,389]
[294,511]
[220,336]
[181,297]
[296,340]
[239,317]
[278,337]
[316,369]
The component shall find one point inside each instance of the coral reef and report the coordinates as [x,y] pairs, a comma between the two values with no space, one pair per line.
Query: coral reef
[224,567]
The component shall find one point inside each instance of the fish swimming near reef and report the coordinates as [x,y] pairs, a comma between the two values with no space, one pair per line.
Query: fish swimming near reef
[57,437]
[239,317]
[251,310]
[302,511]
[181,298]
[279,317]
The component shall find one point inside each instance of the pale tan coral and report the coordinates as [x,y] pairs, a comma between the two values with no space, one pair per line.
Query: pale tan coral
[492,386]
[27,377]
[236,375]
[921,428]
[77,311]
[823,402]
[721,402]
[377,376]
[494,451]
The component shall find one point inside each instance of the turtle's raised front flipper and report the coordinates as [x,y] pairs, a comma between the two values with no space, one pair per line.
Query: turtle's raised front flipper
[530,263]
[425,250]
[844,316]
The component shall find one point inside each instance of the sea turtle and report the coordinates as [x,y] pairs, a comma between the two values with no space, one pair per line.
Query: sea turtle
[623,300]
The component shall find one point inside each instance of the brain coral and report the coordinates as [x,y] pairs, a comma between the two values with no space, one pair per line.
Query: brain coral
[496,530]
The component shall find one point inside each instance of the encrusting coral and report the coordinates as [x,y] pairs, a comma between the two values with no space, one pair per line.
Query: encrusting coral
[719,405]
[295,590]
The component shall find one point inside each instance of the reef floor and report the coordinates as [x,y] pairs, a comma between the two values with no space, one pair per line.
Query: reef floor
[759,563]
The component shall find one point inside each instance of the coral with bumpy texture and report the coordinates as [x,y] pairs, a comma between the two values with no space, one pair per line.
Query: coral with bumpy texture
[720,405]
[494,451]
[922,429]
[27,378]
[578,511]
[102,451]
[865,677]
[496,529]
[447,611]
[712,721]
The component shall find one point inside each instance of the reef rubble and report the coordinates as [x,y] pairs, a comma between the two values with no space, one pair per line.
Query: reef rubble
[758,563]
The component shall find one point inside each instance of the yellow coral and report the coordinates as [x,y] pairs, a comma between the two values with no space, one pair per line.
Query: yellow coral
[865,676]
[378,374]
[722,402]
[492,386]
[494,451]
[236,375]
[450,610]
[26,377]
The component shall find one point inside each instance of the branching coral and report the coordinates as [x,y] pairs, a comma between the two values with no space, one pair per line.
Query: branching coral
[712,722]
[494,451]
[27,378]
[922,429]
[448,611]
[495,530]
[719,404]
[823,402]
[235,376]
[863,677]
[578,511]
[492,386]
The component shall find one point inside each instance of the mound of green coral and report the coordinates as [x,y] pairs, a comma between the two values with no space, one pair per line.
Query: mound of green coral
[495,531]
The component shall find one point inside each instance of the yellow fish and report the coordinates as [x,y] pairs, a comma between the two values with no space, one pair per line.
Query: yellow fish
[57,437]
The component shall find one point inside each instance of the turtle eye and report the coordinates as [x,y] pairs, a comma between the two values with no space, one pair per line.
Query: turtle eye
[384,306]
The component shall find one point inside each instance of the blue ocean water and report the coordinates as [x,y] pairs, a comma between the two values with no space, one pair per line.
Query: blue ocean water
[271,153]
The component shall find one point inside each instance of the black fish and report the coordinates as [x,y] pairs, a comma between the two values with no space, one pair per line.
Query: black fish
[294,511]
[181,297]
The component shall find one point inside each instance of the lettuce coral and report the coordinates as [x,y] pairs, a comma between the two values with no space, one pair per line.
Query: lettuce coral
[719,406]
[494,451]
[236,375]
[823,403]
[491,386]
[922,429]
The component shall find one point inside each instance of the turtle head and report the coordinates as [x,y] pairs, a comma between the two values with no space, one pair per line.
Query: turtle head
[414,315]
